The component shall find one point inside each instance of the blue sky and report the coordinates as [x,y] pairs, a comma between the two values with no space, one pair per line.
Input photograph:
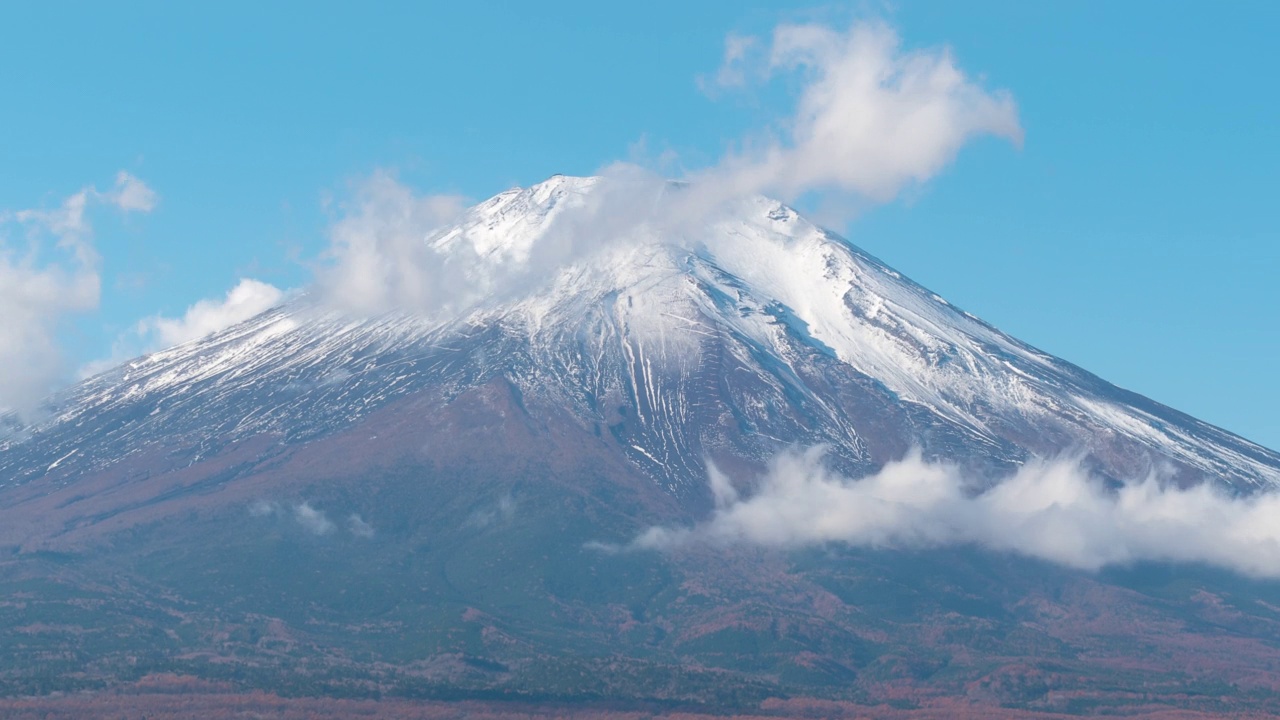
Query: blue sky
[1134,232]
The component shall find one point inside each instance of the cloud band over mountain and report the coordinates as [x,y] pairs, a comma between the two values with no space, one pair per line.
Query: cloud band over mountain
[1049,509]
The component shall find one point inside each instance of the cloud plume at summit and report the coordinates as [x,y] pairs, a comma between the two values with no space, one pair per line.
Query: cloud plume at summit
[869,119]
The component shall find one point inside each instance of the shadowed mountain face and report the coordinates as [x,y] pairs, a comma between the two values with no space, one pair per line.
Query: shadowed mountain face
[408,505]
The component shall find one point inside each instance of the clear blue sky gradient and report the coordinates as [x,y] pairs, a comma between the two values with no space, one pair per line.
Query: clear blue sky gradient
[1135,233]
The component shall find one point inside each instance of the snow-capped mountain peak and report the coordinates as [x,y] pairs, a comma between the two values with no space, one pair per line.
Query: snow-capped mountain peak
[508,225]
[674,336]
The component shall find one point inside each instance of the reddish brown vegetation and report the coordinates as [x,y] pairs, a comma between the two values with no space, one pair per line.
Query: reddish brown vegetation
[147,703]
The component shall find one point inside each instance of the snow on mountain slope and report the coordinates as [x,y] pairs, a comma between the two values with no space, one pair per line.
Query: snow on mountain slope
[728,336]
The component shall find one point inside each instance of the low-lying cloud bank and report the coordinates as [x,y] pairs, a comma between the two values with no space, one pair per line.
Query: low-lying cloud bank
[1051,510]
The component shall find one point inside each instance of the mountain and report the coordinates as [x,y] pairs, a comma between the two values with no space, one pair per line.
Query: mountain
[763,332]
[316,503]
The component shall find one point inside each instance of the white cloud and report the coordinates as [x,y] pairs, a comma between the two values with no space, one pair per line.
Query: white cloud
[378,256]
[312,520]
[501,511]
[68,223]
[34,300]
[247,299]
[263,508]
[359,527]
[732,72]
[131,194]
[309,518]
[870,118]
[40,286]
[1050,510]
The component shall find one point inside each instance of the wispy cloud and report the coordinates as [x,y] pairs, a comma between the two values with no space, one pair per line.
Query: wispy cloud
[248,298]
[51,274]
[733,71]
[131,194]
[870,118]
[501,511]
[378,258]
[68,222]
[388,253]
[263,508]
[1051,510]
[358,527]
[312,520]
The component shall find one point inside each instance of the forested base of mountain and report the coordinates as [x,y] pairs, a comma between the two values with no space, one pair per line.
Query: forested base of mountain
[281,619]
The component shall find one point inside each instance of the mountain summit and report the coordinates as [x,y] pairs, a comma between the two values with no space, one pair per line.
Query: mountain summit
[413,502]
